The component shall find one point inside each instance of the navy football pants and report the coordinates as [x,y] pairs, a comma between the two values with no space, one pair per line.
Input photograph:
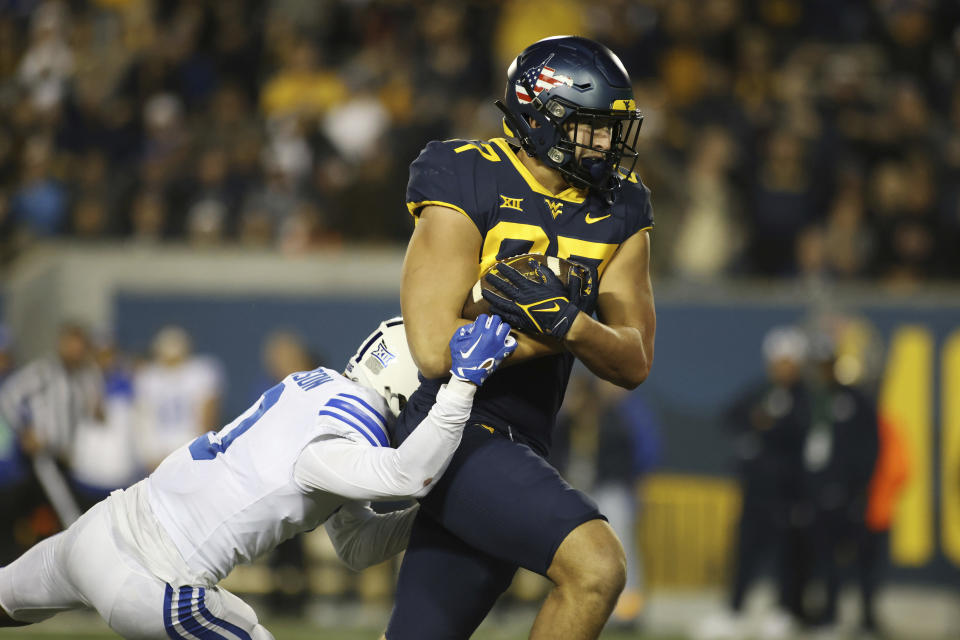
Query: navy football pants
[499,506]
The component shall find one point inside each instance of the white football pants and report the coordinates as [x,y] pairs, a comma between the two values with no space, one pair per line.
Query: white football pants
[83,567]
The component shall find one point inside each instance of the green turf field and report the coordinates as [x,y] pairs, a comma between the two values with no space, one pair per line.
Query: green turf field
[89,628]
[293,632]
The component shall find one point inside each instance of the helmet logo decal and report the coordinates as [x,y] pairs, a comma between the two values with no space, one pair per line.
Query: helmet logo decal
[382,354]
[540,78]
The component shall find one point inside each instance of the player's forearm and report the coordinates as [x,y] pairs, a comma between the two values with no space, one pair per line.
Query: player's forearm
[359,472]
[426,452]
[530,347]
[363,538]
[621,355]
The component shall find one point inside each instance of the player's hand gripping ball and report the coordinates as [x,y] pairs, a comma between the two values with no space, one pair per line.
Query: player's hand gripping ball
[537,294]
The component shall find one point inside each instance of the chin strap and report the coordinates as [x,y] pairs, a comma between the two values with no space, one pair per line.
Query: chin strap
[515,126]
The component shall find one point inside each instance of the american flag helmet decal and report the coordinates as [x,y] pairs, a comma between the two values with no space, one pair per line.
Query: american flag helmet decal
[541,78]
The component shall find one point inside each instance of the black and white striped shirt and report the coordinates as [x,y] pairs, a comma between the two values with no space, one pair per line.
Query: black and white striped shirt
[45,396]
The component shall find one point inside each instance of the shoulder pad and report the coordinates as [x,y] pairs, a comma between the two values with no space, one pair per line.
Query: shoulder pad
[634,197]
[446,174]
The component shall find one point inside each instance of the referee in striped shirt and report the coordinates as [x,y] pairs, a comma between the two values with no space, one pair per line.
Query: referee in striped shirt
[43,402]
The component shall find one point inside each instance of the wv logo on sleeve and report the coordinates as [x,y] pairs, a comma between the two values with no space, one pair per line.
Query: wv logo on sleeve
[556,208]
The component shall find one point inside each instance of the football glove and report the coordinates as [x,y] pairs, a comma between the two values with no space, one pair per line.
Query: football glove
[582,287]
[544,307]
[476,350]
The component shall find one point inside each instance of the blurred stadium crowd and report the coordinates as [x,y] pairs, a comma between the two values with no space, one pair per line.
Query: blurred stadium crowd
[806,139]
[782,137]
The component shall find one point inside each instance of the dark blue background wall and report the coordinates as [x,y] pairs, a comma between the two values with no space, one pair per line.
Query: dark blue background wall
[233,330]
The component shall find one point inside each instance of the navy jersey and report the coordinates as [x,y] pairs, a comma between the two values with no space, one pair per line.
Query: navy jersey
[486,182]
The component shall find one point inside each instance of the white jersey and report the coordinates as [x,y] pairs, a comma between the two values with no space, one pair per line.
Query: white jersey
[249,468]
[169,404]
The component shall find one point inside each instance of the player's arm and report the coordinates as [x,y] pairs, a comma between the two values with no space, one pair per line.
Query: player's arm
[619,347]
[432,302]
[354,470]
[363,538]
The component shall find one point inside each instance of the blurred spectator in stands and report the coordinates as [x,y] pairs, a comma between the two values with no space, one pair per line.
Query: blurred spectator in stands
[839,457]
[213,201]
[38,206]
[238,45]
[47,64]
[606,440]
[148,218]
[903,206]
[302,87]
[520,23]
[800,89]
[850,243]
[783,202]
[176,396]
[843,247]
[305,229]
[268,205]
[89,218]
[769,421]
[710,236]
[228,124]
[104,455]
[166,145]
[950,184]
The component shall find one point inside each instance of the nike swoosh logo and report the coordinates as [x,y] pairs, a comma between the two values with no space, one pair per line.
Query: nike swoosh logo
[466,354]
[592,220]
[555,307]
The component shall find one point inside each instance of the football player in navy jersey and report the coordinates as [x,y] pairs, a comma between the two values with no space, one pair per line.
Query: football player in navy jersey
[560,183]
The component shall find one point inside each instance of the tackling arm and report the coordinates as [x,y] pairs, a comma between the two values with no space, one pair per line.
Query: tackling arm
[358,471]
[619,347]
[363,538]
[431,305]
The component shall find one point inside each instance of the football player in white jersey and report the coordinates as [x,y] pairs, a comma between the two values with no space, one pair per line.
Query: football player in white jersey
[148,558]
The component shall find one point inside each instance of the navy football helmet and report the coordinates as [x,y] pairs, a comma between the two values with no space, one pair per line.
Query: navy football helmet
[566,84]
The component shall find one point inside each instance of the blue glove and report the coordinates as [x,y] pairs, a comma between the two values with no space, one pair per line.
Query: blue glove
[546,307]
[477,349]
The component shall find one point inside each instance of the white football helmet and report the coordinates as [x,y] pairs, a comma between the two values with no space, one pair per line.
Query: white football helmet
[383,363]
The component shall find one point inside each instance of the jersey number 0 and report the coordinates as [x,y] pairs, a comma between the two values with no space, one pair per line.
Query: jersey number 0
[207,446]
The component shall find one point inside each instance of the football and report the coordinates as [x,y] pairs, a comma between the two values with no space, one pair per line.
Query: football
[475,304]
